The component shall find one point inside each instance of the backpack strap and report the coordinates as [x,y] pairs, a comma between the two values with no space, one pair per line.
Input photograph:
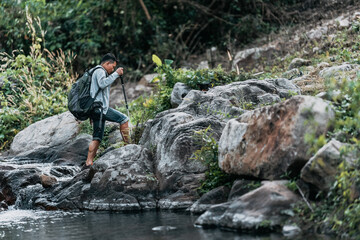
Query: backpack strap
[101,108]
[91,73]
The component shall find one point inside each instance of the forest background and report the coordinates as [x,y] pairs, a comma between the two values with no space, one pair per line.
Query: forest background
[134,30]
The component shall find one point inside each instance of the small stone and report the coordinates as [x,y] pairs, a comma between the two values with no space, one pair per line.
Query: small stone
[323,65]
[291,230]
[342,22]
[47,181]
[298,62]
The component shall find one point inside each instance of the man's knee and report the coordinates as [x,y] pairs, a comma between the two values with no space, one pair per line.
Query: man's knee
[124,125]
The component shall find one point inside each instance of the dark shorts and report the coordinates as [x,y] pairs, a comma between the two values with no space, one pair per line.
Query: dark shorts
[112,115]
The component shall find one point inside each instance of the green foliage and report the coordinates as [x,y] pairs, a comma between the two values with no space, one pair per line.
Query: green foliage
[347,108]
[345,195]
[147,107]
[208,154]
[175,29]
[344,217]
[292,185]
[314,142]
[340,210]
[265,224]
[195,79]
[34,87]
[86,127]
[253,185]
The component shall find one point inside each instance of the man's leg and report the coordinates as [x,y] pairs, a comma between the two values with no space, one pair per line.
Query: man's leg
[113,115]
[125,132]
[93,147]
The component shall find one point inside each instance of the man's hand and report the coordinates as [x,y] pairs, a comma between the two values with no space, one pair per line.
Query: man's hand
[120,71]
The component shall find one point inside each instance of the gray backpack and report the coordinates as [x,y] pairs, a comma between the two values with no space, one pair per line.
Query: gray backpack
[80,102]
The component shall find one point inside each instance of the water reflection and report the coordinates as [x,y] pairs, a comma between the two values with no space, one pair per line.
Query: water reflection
[41,225]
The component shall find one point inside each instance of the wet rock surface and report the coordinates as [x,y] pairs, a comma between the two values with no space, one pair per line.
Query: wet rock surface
[13,181]
[215,196]
[122,179]
[263,208]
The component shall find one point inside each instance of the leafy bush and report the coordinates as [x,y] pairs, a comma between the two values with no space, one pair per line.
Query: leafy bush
[175,28]
[208,154]
[344,196]
[195,79]
[34,87]
[340,209]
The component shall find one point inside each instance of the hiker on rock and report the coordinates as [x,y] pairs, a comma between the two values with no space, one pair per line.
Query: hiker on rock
[102,78]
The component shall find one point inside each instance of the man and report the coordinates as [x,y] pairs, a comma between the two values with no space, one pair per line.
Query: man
[102,78]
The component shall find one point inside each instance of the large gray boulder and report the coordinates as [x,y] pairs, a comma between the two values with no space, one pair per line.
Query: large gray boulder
[230,101]
[119,176]
[206,104]
[44,137]
[171,133]
[256,92]
[321,169]
[270,141]
[264,208]
[73,152]
[121,179]
[173,138]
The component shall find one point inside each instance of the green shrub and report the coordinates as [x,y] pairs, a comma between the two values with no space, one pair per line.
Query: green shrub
[176,29]
[195,79]
[340,209]
[34,87]
[347,108]
[208,154]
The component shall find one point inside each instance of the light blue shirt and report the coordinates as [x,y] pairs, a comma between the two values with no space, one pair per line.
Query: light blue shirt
[100,79]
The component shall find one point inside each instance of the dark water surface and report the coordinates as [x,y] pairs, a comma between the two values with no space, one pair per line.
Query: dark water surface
[45,225]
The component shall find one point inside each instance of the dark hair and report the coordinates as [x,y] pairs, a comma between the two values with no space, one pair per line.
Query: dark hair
[109,57]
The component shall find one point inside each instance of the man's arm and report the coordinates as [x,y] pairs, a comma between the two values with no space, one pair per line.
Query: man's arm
[104,81]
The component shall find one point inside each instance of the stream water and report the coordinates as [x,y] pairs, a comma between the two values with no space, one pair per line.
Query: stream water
[149,225]
[146,225]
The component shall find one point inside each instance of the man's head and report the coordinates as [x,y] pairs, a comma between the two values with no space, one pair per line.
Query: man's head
[108,62]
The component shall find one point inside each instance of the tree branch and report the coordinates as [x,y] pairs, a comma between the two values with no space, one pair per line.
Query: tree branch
[145,10]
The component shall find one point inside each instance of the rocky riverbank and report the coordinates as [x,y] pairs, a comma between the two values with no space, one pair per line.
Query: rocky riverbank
[260,126]
[264,143]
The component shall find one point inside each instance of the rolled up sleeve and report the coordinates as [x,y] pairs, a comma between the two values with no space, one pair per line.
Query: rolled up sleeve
[104,81]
